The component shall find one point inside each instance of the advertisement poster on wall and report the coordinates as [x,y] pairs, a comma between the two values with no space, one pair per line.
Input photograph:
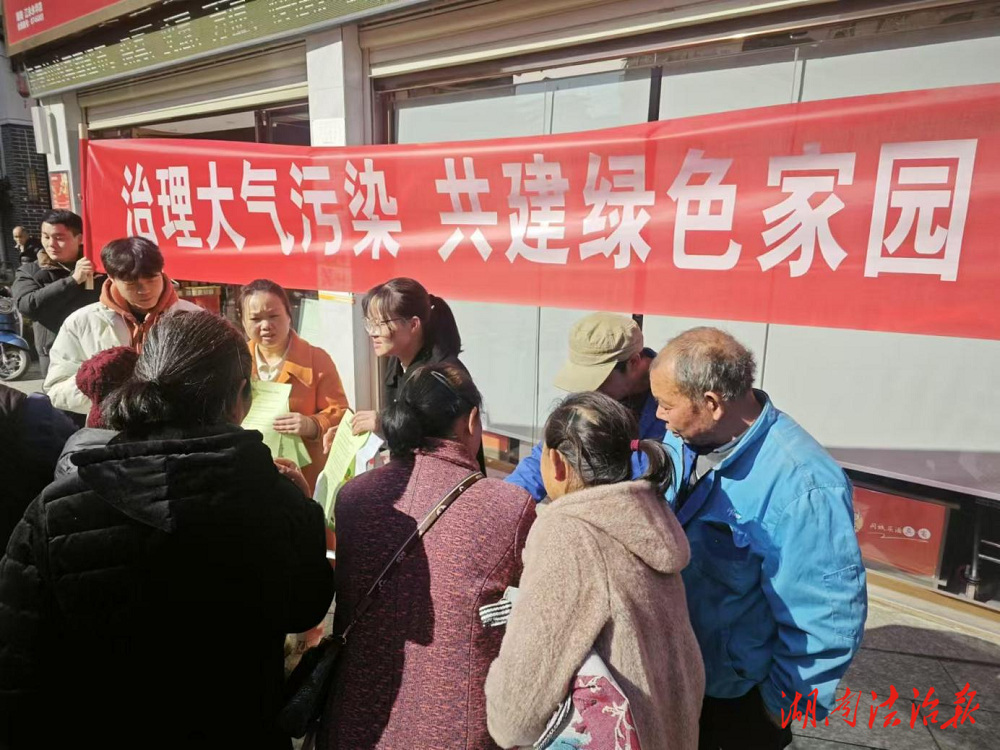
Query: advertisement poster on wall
[903,533]
[59,191]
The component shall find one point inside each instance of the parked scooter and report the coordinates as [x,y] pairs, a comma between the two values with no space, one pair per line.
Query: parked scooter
[15,353]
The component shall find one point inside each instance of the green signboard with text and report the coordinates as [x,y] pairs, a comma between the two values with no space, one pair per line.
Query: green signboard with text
[177,34]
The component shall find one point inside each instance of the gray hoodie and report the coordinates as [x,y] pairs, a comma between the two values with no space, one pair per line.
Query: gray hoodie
[601,569]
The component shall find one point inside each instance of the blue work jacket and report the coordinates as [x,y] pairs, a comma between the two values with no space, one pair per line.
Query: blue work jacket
[776,586]
[528,473]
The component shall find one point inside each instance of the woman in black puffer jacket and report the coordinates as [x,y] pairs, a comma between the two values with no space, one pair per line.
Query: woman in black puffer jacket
[144,601]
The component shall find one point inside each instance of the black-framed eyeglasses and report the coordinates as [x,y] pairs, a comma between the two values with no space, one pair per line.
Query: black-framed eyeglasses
[375,326]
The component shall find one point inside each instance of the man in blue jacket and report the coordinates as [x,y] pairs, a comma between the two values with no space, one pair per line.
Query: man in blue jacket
[606,354]
[776,586]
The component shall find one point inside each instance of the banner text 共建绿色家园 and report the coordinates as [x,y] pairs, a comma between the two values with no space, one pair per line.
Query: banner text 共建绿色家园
[875,212]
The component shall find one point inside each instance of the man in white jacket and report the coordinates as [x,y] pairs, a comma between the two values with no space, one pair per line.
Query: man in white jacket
[133,297]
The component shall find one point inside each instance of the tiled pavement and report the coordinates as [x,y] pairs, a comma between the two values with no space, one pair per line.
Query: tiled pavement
[905,650]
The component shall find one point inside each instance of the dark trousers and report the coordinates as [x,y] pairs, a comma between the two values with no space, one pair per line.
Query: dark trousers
[43,340]
[740,724]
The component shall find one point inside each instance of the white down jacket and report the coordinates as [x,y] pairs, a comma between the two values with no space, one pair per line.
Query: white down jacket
[86,332]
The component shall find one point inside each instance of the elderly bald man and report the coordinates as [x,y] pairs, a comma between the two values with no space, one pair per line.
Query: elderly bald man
[27,246]
[776,586]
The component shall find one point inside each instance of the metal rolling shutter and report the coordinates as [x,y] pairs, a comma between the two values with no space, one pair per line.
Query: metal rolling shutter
[249,81]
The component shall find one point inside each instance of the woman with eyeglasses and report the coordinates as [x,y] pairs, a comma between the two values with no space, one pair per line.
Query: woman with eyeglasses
[411,328]
[120,579]
[278,354]
[414,666]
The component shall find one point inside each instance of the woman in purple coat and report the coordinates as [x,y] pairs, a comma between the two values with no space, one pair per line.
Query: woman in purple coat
[413,670]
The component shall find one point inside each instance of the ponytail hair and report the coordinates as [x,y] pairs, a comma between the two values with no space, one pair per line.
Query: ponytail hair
[660,472]
[406,298]
[445,338]
[138,402]
[430,401]
[595,434]
[194,369]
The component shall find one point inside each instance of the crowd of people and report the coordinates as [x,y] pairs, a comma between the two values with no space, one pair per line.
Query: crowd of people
[671,520]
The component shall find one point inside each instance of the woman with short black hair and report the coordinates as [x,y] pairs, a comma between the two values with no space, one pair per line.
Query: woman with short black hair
[147,597]
[412,672]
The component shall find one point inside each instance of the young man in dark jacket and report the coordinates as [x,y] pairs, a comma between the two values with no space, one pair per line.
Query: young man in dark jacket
[48,289]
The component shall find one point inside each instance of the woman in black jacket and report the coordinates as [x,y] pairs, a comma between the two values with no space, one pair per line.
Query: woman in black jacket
[409,327]
[144,601]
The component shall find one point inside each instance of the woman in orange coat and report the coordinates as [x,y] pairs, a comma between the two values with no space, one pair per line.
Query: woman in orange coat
[317,401]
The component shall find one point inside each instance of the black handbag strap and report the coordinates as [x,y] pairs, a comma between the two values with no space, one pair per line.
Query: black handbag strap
[429,520]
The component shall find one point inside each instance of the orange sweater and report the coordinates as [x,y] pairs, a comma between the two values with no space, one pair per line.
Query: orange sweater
[316,392]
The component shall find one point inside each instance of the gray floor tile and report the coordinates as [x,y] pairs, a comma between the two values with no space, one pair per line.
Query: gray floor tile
[983,735]
[983,678]
[903,634]
[878,736]
[877,670]
[881,616]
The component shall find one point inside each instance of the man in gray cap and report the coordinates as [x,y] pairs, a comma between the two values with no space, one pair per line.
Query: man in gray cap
[606,354]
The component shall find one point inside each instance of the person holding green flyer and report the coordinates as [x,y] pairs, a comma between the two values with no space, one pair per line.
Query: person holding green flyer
[316,400]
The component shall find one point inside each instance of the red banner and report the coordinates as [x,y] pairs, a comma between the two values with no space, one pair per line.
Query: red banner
[24,19]
[877,212]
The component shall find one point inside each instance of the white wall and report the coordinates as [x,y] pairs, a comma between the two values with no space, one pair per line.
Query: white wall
[13,107]
[62,117]
[868,389]
[930,66]
[760,79]
[857,389]
[500,345]
[513,111]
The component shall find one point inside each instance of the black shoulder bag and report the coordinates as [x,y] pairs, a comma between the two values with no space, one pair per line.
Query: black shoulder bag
[308,685]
